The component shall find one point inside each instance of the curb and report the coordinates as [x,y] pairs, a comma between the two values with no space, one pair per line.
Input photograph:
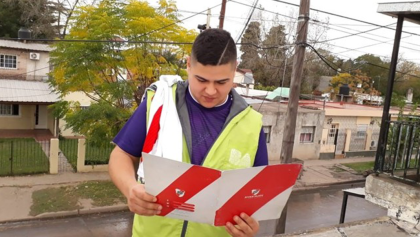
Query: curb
[74,213]
[321,186]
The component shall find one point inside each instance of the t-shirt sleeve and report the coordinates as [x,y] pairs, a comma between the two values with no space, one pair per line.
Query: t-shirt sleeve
[132,136]
[261,158]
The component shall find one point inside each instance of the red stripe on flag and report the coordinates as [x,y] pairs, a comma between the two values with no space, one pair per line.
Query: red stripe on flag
[183,204]
[185,187]
[153,132]
[258,192]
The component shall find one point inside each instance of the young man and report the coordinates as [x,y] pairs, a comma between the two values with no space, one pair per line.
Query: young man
[218,130]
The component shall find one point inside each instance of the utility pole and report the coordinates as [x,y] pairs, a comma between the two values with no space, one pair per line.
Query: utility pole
[292,107]
[208,18]
[222,14]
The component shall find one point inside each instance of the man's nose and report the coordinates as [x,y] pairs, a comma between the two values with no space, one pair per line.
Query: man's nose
[210,89]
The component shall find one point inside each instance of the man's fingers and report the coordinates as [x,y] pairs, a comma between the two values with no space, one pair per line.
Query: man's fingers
[243,226]
[252,223]
[232,230]
[150,206]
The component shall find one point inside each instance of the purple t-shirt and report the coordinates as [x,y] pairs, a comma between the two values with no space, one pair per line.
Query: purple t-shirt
[206,125]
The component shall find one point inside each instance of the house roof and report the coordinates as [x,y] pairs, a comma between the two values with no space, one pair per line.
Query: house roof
[409,10]
[26,46]
[280,91]
[26,92]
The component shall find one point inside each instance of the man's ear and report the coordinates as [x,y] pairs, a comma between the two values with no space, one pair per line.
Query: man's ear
[188,63]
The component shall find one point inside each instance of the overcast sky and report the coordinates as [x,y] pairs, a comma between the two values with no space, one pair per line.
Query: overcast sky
[365,10]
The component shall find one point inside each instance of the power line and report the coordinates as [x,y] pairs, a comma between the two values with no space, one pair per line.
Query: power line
[247,22]
[262,9]
[345,17]
[355,34]
[327,62]
[178,21]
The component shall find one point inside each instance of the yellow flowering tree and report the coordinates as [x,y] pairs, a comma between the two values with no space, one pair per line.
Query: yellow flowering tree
[111,51]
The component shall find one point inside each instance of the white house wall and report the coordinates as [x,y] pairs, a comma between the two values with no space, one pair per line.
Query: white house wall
[84,100]
[303,151]
[38,69]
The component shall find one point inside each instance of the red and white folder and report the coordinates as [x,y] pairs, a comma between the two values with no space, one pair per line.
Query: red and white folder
[200,194]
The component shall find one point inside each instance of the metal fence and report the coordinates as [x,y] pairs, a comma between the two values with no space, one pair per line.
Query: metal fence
[400,156]
[24,156]
[98,154]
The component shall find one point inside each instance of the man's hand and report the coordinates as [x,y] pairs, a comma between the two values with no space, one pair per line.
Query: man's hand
[141,202]
[245,226]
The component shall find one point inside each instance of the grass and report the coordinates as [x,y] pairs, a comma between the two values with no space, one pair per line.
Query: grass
[54,200]
[27,157]
[66,198]
[359,167]
[95,155]
[98,155]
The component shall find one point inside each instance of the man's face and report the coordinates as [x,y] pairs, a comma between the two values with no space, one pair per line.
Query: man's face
[210,85]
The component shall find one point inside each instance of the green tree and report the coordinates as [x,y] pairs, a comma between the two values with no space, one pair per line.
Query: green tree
[375,68]
[97,68]
[250,58]
[273,57]
[39,16]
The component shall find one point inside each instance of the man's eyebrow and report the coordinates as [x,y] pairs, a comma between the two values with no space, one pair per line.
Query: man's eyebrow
[204,79]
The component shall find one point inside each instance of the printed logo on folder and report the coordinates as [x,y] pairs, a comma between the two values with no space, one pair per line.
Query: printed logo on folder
[200,194]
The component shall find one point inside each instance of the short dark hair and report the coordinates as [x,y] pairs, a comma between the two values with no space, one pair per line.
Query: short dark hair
[214,47]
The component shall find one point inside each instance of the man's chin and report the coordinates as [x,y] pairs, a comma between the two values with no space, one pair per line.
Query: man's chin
[208,105]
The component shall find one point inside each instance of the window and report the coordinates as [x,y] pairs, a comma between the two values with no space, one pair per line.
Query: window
[7,61]
[267,133]
[9,109]
[307,134]
[333,130]
[361,130]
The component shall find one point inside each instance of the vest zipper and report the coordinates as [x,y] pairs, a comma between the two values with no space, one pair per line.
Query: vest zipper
[184,229]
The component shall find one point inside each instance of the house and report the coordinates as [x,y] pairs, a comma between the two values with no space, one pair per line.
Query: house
[348,129]
[308,129]
[24,92]
[244,77]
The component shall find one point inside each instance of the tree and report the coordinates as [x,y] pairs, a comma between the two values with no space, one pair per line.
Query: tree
[359,83]
[39,16]
[375,68]
[273,56]
[97,68]
[9,25]
[250,39]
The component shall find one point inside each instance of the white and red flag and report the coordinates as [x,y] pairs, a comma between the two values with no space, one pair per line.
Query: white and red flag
[200,194]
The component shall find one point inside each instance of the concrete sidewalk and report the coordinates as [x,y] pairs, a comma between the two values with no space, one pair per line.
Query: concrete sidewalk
[16,192]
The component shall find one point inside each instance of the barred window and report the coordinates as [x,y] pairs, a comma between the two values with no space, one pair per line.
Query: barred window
[361,130]
[8,61]
[267,133]
[9,109]
[307,134]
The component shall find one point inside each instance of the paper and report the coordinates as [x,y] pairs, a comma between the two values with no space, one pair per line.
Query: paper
[200,194]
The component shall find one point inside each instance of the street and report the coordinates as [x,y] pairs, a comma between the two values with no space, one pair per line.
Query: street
[307,210]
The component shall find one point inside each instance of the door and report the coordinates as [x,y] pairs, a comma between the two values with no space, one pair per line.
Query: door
[41,118]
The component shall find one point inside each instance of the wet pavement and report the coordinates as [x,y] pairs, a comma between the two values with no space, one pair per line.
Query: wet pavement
[307,210]
[98,225]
